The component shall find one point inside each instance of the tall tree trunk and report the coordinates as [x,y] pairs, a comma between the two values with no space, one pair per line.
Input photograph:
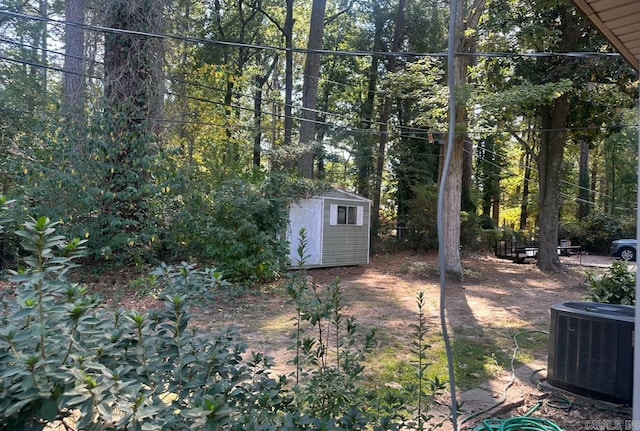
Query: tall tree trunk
[594,182]
[489,169]
[364,144]
[453,196]
[495,208]
[584,190]
[310,88]
[230,154]
[471,43]
[611,180]
[524,203]
[555,117]
[453,189]
[73,81]
[133,103]
[385,113]
[44,35]
[257,122]
[182,102]
[552,144]
[467,202]
[288,79]
[321,131]
[260,81]
[74,87]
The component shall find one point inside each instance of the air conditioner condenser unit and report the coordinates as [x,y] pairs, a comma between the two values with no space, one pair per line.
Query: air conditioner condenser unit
[591,350]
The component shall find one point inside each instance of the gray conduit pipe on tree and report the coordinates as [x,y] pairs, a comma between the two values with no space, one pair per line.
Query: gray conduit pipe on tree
[635,424]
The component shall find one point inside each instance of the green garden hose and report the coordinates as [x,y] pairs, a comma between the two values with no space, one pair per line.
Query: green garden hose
[519,423]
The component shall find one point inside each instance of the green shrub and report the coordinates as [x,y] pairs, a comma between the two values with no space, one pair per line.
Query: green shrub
[68,361]
[65,358]
[595,232]
[477,232]
[616,286]
[240,226]
[422,232]
[328,349]
[9,243]
[330,354]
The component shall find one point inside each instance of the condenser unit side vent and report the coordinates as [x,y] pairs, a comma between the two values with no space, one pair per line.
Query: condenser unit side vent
[590,350]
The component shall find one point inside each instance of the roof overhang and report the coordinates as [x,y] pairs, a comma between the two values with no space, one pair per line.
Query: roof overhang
[619,22]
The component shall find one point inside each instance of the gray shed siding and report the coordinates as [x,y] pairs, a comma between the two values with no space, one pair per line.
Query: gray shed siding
[345,244]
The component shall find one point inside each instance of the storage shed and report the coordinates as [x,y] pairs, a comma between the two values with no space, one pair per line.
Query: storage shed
[337,229]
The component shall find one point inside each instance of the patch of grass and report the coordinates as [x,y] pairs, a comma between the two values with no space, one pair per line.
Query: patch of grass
[428,271]
[278,324]
[397,368]
[146,285]
[419,269]
[479,355]
[477,359]
[530,343]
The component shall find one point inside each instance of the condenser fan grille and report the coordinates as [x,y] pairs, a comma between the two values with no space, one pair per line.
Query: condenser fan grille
[590,349]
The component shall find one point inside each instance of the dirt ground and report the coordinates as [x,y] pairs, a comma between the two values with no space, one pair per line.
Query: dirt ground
[494,294]
[494,298]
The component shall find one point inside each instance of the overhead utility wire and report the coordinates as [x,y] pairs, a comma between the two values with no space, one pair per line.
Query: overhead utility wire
[266,47]
[404,131]
[268,129]
[196,40]
[26,45]
[535,181]
[42,66]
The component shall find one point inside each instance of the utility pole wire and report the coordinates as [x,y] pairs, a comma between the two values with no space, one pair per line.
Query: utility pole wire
[343,53]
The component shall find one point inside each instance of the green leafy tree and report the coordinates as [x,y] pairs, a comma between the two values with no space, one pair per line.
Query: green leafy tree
[549,87]
[415,156]
[239,225]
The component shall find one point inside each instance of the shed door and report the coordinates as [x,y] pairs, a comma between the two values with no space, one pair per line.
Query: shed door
[308,214]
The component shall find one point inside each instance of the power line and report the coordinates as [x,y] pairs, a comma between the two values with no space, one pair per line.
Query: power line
[535,181]
[365,53]
[402,129]
[370,131]
[405,131]
[43,66]
[26,45]
[411,132]
[199,40]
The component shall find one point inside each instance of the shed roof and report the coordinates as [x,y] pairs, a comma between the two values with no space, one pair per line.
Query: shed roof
[619,22]
[341,194]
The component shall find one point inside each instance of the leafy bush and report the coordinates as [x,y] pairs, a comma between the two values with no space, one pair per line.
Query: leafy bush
[329,353]
[477,232]
[9,243]
[616,286]
[116,202]
[240,226]
[67,361]
[595,232]
[422,214]
[329,358]
[64,358]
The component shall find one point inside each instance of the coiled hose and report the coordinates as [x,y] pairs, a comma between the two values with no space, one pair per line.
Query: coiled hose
[524,423]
